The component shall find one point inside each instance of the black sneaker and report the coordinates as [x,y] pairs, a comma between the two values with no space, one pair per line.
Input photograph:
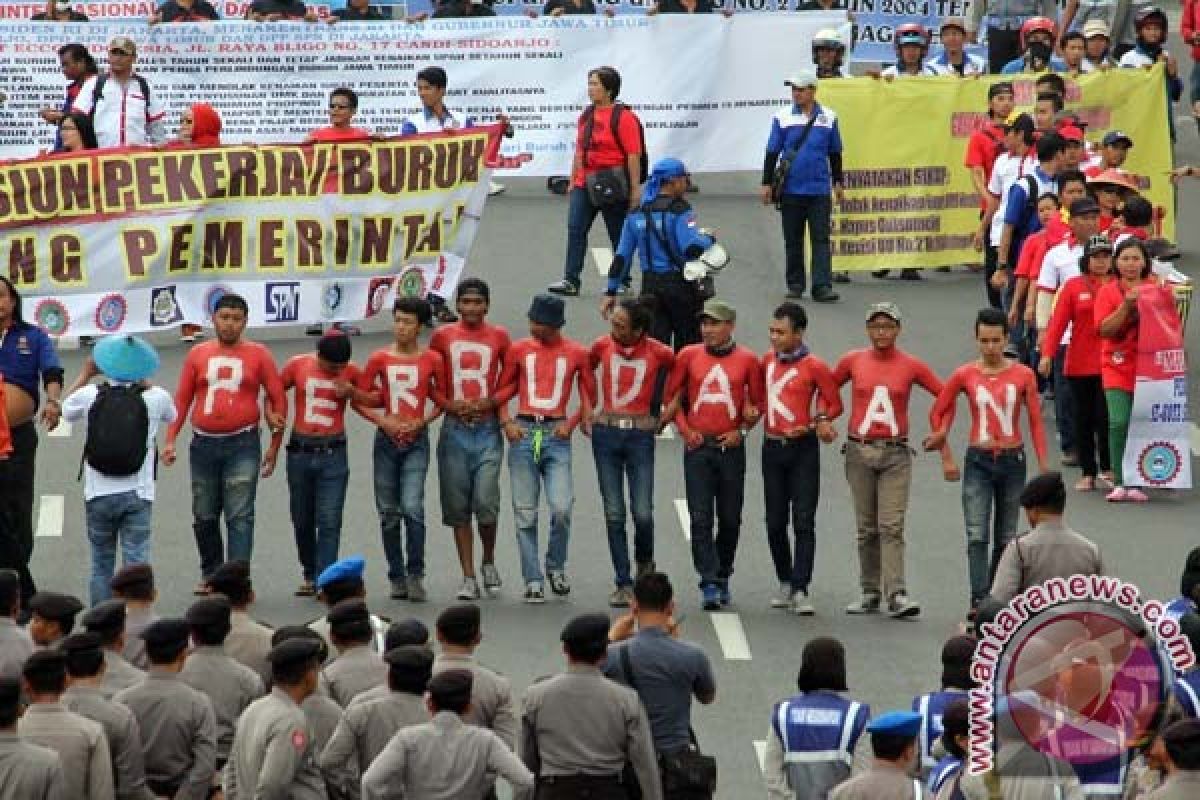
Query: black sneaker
[910,275]
[880,273]
[559,583]
[823,294]
[564,288]
[841,277]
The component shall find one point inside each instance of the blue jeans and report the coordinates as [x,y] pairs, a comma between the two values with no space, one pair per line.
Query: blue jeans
[469,459]
[224,480]
[113,518]
[580,216]
[814,211]
[527,476]
[400,500]
[317,493]
[626,455]
[715,477]
[992,483]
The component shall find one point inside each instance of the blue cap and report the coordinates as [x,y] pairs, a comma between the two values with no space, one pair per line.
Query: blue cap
[350,568]
[125,358]
[896,723]
[669,168]
[548,309]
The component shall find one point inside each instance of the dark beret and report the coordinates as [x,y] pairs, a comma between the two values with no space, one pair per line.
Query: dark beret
[348,612]
[166,632]
[406,631]
[81,643]
[586,628]
[106,616]
[294,651]
[55,606]
[288,632]
[131,576]
[410,657]
[211,610]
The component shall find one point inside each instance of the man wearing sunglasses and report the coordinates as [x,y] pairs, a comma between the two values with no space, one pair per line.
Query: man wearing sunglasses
[124,112]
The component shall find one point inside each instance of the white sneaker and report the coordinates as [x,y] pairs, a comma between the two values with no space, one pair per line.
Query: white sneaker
[782,598]
[469,590]
[534,594]
[801,604]
[491,576]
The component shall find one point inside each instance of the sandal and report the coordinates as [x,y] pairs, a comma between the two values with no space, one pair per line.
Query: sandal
[1105,481]
[1085,484]
[1117,495]
[1136,495]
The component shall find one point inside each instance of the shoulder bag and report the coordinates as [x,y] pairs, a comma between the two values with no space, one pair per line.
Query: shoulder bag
[788,157]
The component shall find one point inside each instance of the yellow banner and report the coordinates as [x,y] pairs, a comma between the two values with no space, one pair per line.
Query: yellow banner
[909,199]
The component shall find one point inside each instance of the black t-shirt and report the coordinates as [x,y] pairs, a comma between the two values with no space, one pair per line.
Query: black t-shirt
[569,7]
[292,9]
[349,14]
[171,11]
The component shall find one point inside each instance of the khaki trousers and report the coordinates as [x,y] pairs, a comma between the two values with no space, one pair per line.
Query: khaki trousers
[879,475]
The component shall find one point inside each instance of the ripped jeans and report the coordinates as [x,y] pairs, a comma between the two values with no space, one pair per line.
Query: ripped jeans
[224,480]
[530,468]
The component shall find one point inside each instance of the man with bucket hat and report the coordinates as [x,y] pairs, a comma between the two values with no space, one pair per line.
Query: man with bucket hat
[123,415]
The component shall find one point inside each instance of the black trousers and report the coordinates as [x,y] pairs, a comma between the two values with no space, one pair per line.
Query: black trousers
[16,507]
[791,474]
[676,321]
[1091,424]
[715,477]
[581,787]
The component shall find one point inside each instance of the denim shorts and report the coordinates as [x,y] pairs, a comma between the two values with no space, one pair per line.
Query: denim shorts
[469,458]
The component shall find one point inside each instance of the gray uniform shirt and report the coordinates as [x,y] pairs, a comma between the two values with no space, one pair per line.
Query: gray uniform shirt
[363,731]
[29,771]
[121,731]
[880,782]
[249,642]
[231,686]
[136,621]
[1051,550]
[15,648]
[179,733]
[323,716]
[80,744]
[119,674]
[443,759]
[354,671]
[1180,785]
[491,697]
[554,742]
[273,756]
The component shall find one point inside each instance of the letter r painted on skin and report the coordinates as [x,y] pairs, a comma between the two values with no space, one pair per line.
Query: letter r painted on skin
[224,375]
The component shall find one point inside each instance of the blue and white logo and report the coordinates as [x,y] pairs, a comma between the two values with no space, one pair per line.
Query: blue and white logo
[282,302]
[331,299]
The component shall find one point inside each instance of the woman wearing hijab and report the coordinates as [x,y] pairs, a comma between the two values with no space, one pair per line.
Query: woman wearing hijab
[199,126]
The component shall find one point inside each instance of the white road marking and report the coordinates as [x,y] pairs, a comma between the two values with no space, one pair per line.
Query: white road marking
[1195,439]
[685,519]
[760,749]
[731,635]
[50,516]
[602,256]
[62,430]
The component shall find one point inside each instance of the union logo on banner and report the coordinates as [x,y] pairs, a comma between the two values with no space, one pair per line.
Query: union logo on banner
[1159,463]
[51,315]
[111,312]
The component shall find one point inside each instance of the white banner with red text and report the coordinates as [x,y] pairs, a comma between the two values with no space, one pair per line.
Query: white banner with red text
[144,240]
[1158,447]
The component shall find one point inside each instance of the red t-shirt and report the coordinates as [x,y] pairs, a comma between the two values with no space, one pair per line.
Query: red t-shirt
[628,375]
[541,377]
[1075,307]
[715,389]
[332,134]
[405,383]
[1118,357]
[225,383]
[790,389]
[473,358]
[880,385]
[319,411]
[602,151]
[983,148]
[995,402]
[1033,251]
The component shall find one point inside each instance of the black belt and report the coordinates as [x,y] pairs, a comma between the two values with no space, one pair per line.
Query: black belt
[538,419]
[784,441]
[714,441]
[996,452]
[315,445]
[899,441]
[581,780]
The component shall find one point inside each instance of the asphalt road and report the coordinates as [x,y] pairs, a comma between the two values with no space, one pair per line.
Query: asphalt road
[755,650]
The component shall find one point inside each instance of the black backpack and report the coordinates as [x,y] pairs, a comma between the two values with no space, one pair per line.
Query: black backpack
[613,121]
[117,429]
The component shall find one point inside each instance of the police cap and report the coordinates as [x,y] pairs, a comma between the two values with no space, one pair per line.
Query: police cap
[347,569]
[55,606]
[85,642]
[132,576]
[166,633]
[294,651]
[409,668]
[896,723]
[105,617]
[406,631]
[289,632]
[348,612]
[209,611]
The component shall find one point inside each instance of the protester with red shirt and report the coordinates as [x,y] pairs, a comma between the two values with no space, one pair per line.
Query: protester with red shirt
[317,468]
[1115,313]
[470,448]
[983,148]
[878,458]
[540,372]
[994,465]
[716,388]
[404,386]
[596,150]
[1073,310]
[791,461]
[634,368]
[224,379]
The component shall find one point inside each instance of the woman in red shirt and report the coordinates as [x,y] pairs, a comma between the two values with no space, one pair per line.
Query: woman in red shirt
[597,150]
[1074,309]
[1117,324]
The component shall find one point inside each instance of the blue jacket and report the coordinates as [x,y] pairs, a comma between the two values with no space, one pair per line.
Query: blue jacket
[27,354]
[676,225]
[810,173]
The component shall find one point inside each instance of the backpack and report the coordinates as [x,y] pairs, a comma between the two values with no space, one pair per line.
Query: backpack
[98,92]
[117,429]
[614,120]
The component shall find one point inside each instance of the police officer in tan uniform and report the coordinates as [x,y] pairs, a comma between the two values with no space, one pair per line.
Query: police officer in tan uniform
[358,667]
[367,726]
[343,580]
[891,774]
[274,756]
[107,620]
[135,585]
[27,771]
[459,633]
[86,697]
[179,729]
[15,644]
[399,634]
[322,713]
[573,760]
[52,617]
[79,742]
[249,641]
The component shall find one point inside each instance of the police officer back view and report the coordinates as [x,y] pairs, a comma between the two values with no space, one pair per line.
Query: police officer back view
[27,770]
[663,232]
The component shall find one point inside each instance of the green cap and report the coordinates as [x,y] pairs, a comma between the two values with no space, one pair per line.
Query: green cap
[886,308]
[719,310]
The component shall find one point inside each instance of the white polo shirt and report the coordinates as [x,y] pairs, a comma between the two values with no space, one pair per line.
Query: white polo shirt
[123,116]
